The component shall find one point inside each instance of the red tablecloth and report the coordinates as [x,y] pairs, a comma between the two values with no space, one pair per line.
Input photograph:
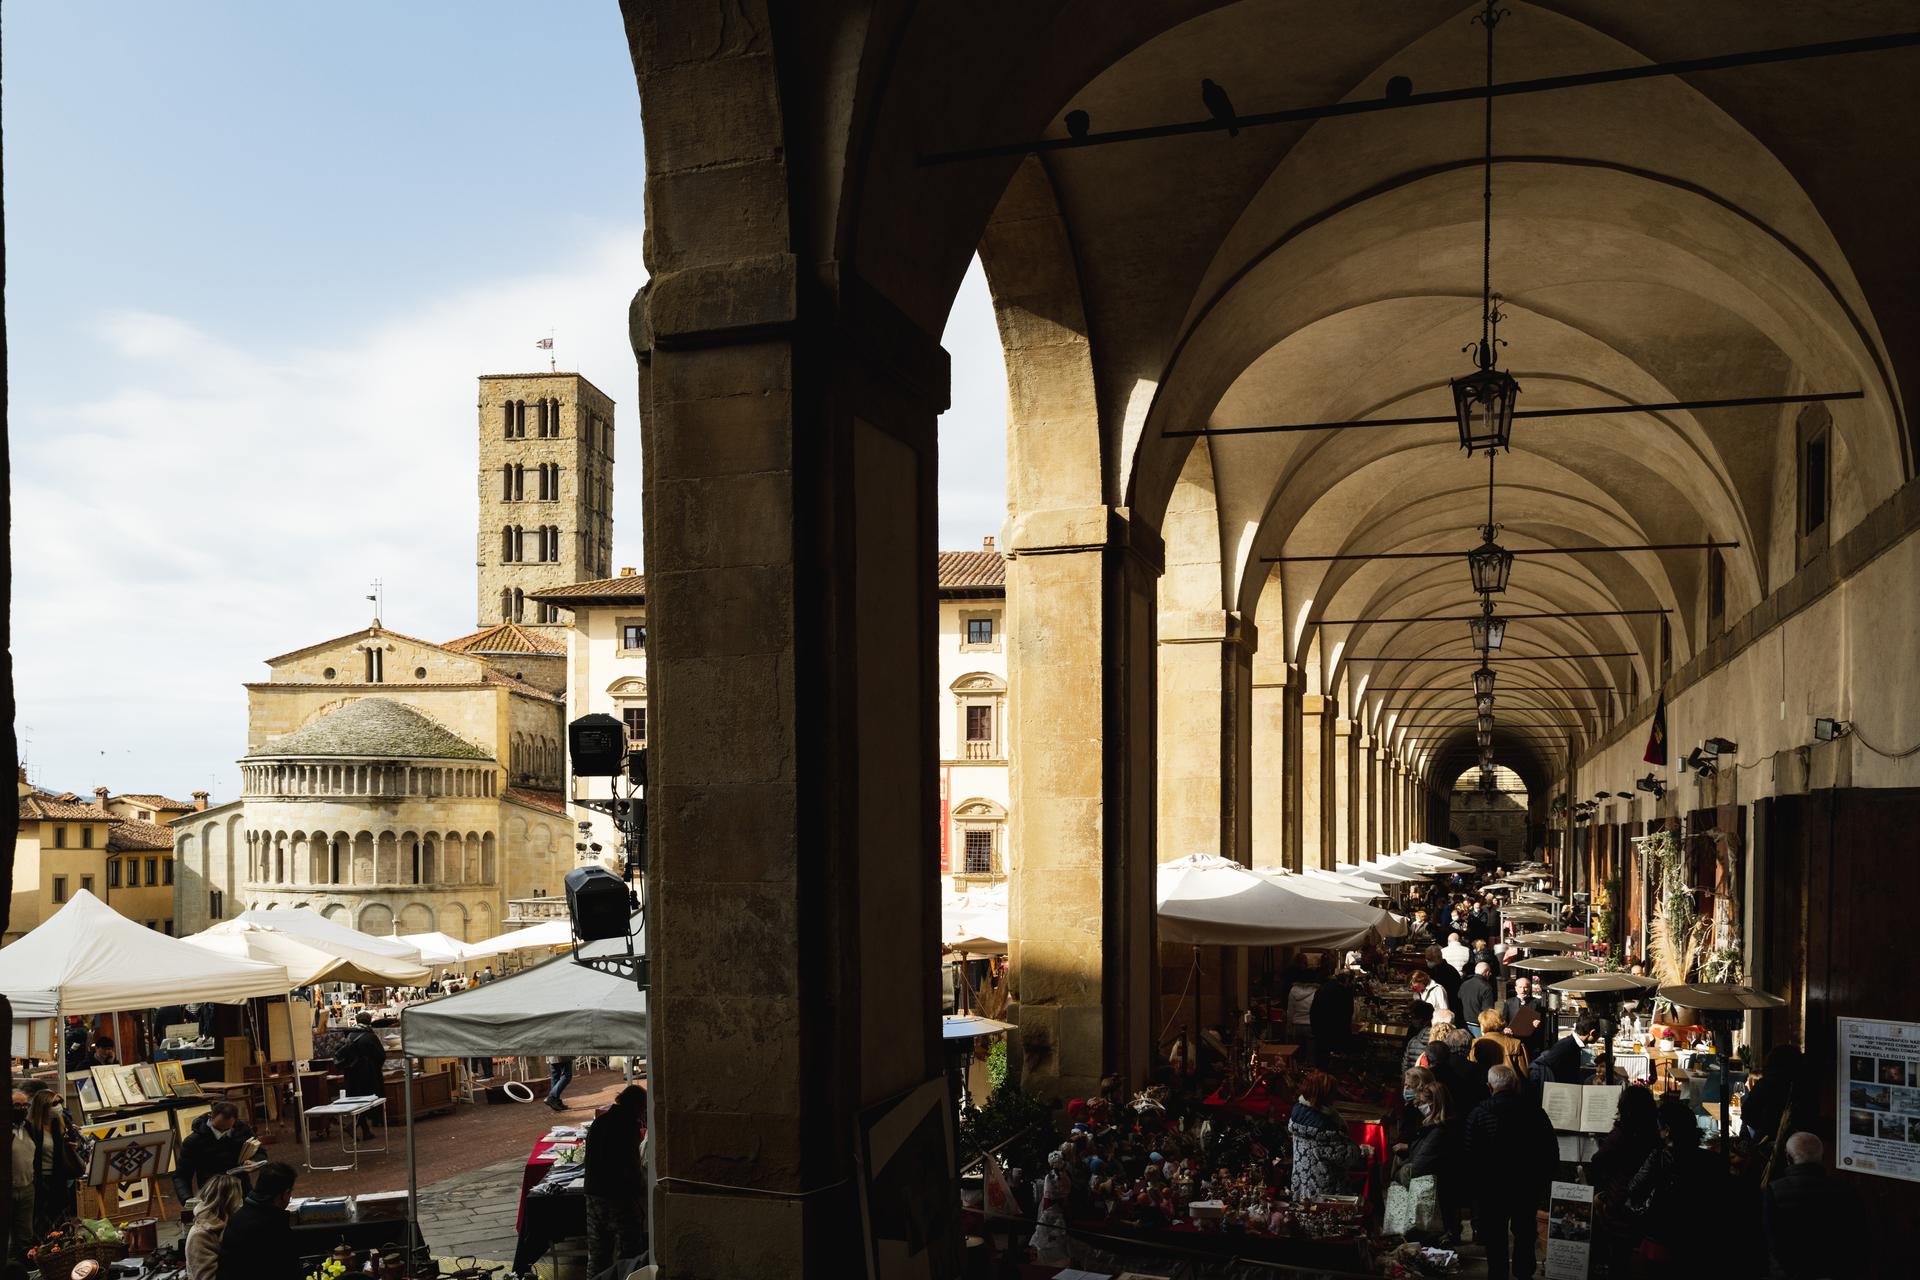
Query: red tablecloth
[1260,1103]
[538,1165]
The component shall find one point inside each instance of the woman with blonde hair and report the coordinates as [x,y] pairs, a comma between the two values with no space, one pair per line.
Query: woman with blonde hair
[1493,1029]
[220,1198]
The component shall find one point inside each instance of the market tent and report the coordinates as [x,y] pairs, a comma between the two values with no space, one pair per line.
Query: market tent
[1476,851]
[557,1007]
[1379,919]
[975,923]
[337,940]
[1349,889]
[305,962]
[436,949]
[88,958]
[1207,900]
[546,934]
[1433,857]
[1376,873]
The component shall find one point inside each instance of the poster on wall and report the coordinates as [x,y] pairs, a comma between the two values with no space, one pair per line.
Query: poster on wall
[1569,1230]
[1879,1069]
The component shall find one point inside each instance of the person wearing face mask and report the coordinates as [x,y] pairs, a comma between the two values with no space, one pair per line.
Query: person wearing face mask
[55,1162]
[1412,1080]
[21,1225]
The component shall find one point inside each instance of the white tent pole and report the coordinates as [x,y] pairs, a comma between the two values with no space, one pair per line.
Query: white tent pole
[60,1044]
[299,1090]
[413,1171]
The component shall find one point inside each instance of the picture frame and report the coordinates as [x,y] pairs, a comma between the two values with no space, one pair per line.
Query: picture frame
[132,1157]
[106,1083]
[149,1080]
[88,1092]
[183,1118]
[130,1085]
[172,1074]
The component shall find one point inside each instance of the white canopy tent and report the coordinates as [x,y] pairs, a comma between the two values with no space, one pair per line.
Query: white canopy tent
[1377,873]
[1433,858]
[975,923]
[1207,900]
[305,962]
[395,960]
[88,958]
[1350,889]
[436,949]
[545,935]
[1379,919]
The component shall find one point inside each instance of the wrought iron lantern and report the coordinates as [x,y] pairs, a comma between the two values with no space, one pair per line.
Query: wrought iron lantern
[1489,564]
[1483,404]
[1483,703]
[1488,631]
[1484,722]
[1483,682]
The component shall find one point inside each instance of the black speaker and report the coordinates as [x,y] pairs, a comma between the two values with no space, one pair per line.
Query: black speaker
[598,745]
[599,904]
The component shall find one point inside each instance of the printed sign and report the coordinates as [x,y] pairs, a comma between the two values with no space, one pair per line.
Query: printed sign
[1569,1230]
[1879,1098]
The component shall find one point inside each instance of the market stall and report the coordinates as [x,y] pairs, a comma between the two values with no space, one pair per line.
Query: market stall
[556,1007]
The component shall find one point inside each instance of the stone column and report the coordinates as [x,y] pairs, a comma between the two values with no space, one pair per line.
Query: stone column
[1204,733]
[1343,790]
[788,416]
[1368,776]
[1292,784]
[1391,787]
[1268,807]
[1081,670]
[1317,714]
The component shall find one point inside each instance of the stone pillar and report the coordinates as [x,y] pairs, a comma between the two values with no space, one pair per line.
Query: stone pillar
[1368,775]
[1317,714]
[1343,790]
[1204,733]
[788,416]
[1391,787]
[1292,783]
[1081,671]
[1270,711]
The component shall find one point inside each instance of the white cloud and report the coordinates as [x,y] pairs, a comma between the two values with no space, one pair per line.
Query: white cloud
[211,499]
[208,499]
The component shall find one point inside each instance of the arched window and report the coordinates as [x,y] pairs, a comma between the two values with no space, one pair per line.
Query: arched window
[542,428]
[506,544]
[519,419]
[506,604]
[506,419]
[506,482]
[519,604]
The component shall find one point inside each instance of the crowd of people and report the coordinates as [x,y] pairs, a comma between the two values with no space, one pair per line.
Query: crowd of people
[1469,1116]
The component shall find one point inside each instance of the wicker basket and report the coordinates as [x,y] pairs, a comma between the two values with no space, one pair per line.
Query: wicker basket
[59,1266]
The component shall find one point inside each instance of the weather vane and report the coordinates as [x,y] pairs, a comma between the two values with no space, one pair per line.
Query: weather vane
[378,596]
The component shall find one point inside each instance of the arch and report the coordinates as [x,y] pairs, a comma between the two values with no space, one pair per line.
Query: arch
[376,918]
[484,924]
[387,860]
[455,923]
[416,917]
[628,687]
[981,808]
[488,867]
[979,682]
[335,912]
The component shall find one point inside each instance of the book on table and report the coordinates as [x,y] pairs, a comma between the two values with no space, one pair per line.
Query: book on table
[1580,1108]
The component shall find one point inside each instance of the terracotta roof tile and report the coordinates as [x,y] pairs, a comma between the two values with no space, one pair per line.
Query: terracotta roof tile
[972,572]
[61,809]
[547,801]
[509,637]
[156,802]
[353,635]
[521,686]
[632,588]
[131,833]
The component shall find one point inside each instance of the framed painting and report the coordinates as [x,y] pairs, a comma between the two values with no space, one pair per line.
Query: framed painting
[89,1093]
[149,1080]
[107,1084]
[131,1157]
[172,1074]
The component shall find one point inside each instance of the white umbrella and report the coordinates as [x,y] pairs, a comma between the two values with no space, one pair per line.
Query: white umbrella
[1208,900]
[1379,919]
[1425,856]
[305,962]
[1346,887]
[1377,874]
[547,934]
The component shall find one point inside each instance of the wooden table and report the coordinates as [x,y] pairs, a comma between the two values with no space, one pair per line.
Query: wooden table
[239,1092]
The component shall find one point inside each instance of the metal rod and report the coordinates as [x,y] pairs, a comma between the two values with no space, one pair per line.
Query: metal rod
[1531,688]
[1505,617]
[1529,551]
[1538,84]
[1518,657]
[1578,411]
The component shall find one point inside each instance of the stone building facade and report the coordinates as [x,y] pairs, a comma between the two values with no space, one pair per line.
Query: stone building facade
[975,785]
[392,784]
[546,491]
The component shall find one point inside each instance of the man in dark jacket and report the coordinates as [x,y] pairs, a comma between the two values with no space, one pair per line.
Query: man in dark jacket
[1476,995]
[1331,1016]
[258,1244]
[1815,1226]
[1561,1063]
[216,1143]
[1511,1156]
[1485,954]
[1443,973]
[362,1060]
[616,1182]
[1523,997]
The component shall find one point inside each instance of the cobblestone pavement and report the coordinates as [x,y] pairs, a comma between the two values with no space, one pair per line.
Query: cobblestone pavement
[472,1214]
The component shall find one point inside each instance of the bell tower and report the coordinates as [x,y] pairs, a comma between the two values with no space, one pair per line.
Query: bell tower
[546,491]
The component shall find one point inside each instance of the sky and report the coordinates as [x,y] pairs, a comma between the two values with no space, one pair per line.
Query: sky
[257,255]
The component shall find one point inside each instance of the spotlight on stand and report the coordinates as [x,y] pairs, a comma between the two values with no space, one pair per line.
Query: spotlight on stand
[1826,729]
[1700,762]
[598,746]
[1624,795]
[1603,795]
[1720,747]
[599,902]
[1651,785]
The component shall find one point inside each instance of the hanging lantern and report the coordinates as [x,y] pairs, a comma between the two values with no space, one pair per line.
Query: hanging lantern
[1489,564]
[1483,682]
[1486,778]
[1484,722]
[1488,631]
[1483,403]
[1485,737]
[1483,703]
[1486,758]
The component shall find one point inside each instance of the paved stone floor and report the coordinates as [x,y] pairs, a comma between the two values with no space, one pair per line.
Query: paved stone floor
[472,1214]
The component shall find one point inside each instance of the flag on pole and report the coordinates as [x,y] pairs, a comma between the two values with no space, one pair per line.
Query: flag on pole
[996,1196]
[545,344]
[1657,734]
